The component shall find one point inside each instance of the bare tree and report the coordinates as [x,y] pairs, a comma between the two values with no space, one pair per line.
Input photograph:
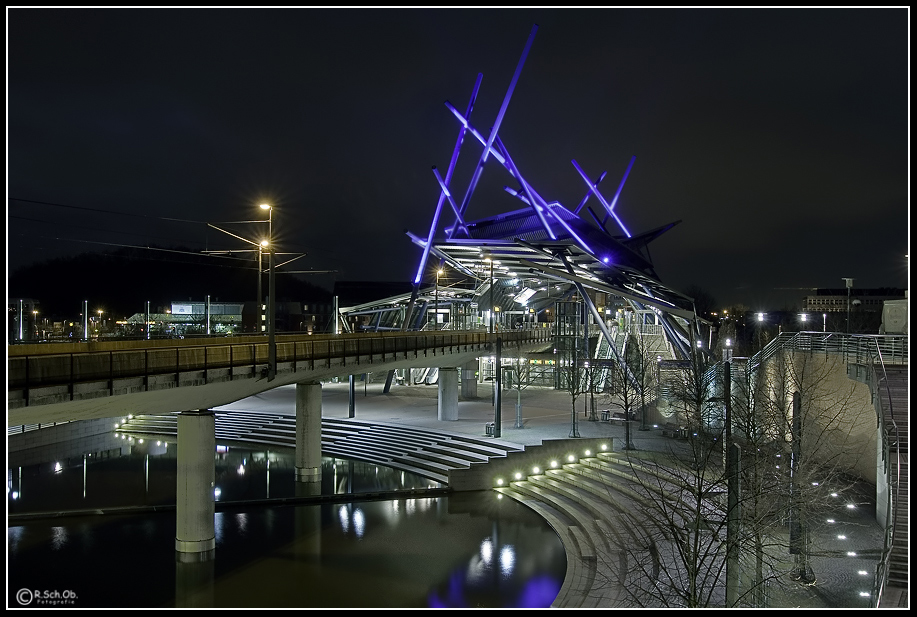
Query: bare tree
[803,430]
[631,380]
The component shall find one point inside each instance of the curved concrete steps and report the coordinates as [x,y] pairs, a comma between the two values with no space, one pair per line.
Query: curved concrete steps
[428,453]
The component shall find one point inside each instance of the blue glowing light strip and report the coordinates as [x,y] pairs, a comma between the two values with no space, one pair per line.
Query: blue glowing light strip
[439,202]
[422,243]
[586,196]
[473,131]
[532,196]
[559,219]
[538,202]
[502,155]
[618,192]
[459,221]
[598,195]
[496,127]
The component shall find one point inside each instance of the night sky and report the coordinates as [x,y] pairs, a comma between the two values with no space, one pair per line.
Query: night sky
[779,137]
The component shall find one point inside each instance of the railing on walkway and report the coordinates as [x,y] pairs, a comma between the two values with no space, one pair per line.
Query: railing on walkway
[890,436]
[40,366]
[857,348]
[875,352]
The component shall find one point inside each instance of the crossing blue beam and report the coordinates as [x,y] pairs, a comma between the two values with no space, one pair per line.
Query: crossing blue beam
[496,128]
[593,188]
[443,193]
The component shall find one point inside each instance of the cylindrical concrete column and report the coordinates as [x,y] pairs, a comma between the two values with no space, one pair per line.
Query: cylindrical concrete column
[308,432]
[447,382]
[469,379]
[194,506]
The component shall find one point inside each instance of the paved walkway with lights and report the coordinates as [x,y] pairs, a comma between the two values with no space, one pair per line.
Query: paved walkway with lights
[846,550]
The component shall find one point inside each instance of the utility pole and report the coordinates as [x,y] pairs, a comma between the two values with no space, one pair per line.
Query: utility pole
[849,282]
[733,491]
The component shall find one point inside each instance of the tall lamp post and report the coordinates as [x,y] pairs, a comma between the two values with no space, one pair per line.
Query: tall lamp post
[491,302]
[849,283]
[436,301]
[272,345]
[259,326]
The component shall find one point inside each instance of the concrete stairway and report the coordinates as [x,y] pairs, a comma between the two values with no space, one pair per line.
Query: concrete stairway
[898,393]
[431,454]
[590,504]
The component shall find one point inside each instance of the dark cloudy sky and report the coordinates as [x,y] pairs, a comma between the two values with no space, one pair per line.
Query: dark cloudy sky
[779,137]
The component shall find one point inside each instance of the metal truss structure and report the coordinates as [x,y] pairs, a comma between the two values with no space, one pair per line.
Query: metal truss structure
[540,254]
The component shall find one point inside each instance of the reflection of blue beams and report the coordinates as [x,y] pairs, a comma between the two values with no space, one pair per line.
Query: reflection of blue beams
[594,190]
[496,127]
[439,202]
[458,215]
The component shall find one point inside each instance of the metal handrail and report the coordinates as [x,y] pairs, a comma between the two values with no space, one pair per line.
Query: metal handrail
[891,523]
[221,355]
[861,349]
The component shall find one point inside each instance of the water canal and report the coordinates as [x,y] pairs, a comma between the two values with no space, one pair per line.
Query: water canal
[97,529]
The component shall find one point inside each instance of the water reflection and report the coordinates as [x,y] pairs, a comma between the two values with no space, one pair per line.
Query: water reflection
[142,473]
[465,549]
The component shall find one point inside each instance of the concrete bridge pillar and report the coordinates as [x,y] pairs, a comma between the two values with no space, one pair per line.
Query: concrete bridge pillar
[469,380]
[447,408]
[195,538]
[308,432]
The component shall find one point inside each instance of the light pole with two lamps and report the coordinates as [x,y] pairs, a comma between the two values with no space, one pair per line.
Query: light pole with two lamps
[271,342]
[439,271]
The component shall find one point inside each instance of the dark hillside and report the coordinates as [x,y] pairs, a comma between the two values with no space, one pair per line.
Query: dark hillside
[123,281]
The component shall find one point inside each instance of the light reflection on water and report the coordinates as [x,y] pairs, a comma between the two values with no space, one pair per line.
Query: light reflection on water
[461,550]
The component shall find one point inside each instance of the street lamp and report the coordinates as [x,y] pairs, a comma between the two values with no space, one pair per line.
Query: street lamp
[100,323]
[272,346]
[436,301]
[849,283]
[491,302]
[260,325]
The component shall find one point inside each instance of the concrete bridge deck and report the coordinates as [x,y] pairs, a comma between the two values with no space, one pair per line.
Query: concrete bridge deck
[49,383]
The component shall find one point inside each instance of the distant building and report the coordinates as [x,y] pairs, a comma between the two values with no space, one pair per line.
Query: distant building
[863,300]
[22,320]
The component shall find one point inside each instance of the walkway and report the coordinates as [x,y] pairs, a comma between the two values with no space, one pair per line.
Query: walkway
[588,523]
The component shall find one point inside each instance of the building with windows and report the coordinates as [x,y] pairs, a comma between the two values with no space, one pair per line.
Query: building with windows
[863,300]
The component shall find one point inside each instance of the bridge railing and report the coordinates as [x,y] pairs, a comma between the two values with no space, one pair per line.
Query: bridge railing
[34,366]
[858,348]
[891,455]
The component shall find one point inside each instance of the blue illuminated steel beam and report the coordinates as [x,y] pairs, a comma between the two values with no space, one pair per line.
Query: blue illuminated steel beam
[474,132]
[502,155]
[496,128]
[536,204]
[600,321]
[595,191]
[618,192]
[550,208]
[459,221]
[439,202]
[586,196]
